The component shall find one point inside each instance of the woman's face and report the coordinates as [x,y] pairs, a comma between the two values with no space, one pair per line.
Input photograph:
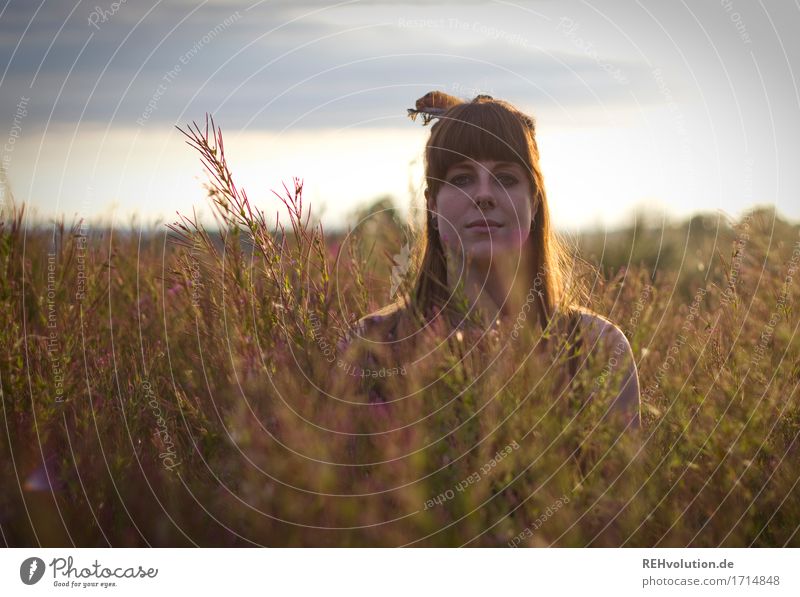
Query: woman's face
[484,208]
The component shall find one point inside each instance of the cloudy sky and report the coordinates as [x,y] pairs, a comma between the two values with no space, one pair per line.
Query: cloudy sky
[664,107]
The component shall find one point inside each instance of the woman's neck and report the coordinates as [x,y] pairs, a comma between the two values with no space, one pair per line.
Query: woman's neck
[496,289]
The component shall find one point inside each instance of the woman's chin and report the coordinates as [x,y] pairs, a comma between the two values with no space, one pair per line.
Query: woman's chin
[487,250]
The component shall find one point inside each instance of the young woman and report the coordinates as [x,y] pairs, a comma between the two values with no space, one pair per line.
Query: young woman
[488,239]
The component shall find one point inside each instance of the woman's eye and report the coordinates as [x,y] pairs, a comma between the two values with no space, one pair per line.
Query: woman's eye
[459,180]
[507,180]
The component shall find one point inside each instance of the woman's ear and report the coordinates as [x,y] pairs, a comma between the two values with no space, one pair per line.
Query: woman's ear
[429,202]
[430,205]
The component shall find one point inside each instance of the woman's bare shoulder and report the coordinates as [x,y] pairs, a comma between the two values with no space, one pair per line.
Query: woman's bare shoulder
[379,322]
[601,333]
[600,330]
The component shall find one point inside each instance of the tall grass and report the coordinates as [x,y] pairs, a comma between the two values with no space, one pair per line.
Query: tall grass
[196,386]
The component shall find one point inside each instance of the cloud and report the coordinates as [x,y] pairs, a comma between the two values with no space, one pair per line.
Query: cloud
[309,72]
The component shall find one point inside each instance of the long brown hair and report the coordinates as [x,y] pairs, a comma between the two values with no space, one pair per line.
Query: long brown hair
[481,129]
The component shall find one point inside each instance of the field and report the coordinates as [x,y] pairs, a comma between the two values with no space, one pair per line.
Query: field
[178,386]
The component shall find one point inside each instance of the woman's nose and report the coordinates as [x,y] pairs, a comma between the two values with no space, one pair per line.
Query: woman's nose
[484,191]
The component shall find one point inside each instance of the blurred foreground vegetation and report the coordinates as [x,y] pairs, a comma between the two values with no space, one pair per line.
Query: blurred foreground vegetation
[176,387]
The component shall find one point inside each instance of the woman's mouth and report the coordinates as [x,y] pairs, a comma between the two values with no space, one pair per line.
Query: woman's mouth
[484,224]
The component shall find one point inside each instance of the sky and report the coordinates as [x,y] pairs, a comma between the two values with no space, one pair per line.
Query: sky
[662,109]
